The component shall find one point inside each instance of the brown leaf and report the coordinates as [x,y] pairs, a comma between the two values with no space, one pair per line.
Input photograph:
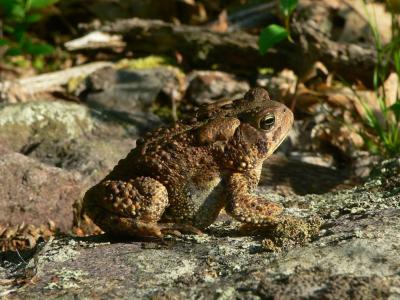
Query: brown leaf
[222,24]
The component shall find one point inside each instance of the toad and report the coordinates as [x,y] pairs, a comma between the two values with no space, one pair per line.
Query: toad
[178,179]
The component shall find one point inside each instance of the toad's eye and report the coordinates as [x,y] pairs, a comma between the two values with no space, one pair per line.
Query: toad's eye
[267,122]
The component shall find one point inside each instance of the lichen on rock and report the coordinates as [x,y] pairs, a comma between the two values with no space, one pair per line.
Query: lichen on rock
[354,255]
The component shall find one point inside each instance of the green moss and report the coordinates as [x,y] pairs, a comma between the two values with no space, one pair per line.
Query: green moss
[74,83]
[151,61]
[162,111]
[265,71]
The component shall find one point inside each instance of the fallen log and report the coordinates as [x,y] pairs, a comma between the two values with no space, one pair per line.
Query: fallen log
[237,51]
[311,30]
[200,47]
[26,88]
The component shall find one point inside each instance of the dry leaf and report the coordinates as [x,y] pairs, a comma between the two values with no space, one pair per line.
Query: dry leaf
[391,89]
[222,24]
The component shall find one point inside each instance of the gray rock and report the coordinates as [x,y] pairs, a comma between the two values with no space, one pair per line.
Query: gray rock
[72,136]
[67,147]
[131,90]
[354,256]
[20,123]
[34,193]
[206,86]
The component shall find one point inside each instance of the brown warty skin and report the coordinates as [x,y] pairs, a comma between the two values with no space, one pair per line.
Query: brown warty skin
[177,179]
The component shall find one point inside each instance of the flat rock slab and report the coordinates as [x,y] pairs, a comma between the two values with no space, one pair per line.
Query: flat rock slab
[354,256]
[357,259]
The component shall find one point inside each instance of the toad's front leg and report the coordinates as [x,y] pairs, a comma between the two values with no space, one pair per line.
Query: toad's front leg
[246,207]
[266,218]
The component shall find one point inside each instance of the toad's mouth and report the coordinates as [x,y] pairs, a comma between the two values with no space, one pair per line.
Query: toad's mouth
[280,142]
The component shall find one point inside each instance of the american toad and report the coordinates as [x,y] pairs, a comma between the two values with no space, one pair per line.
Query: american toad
[179,178]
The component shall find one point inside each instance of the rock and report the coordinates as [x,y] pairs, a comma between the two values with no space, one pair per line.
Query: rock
[132,90]
[354,256]
[281,86]
[290,176]
[72,136]
[86,143]
[206,86]
[20,123]
[68,147]
[34,193]
[303,283]
[314,158]
[4,150]
[93,158]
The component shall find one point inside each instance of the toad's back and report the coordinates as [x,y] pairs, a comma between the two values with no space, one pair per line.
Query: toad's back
[167,155]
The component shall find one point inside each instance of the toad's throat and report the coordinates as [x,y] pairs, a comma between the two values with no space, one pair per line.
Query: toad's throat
[207,199]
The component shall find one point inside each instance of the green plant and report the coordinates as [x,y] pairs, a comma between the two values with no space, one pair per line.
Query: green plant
[273,34]
[16,16]
[382,135]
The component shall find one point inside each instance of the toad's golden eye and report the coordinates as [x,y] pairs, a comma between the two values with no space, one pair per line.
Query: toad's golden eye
[267,122]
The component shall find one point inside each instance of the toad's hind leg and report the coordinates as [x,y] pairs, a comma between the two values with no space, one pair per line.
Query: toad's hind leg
[128,208]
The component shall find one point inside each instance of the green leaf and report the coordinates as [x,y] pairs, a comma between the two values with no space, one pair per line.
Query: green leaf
[396,60]
[395,108]
[19,33]
[8,29]
[28,5]
[41,3]
[18,12]
[38,63]
[3,42]
[39,49]
[33,18]
[6,6]
[14,51]
[270,36]
[371,145]
[288,6]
